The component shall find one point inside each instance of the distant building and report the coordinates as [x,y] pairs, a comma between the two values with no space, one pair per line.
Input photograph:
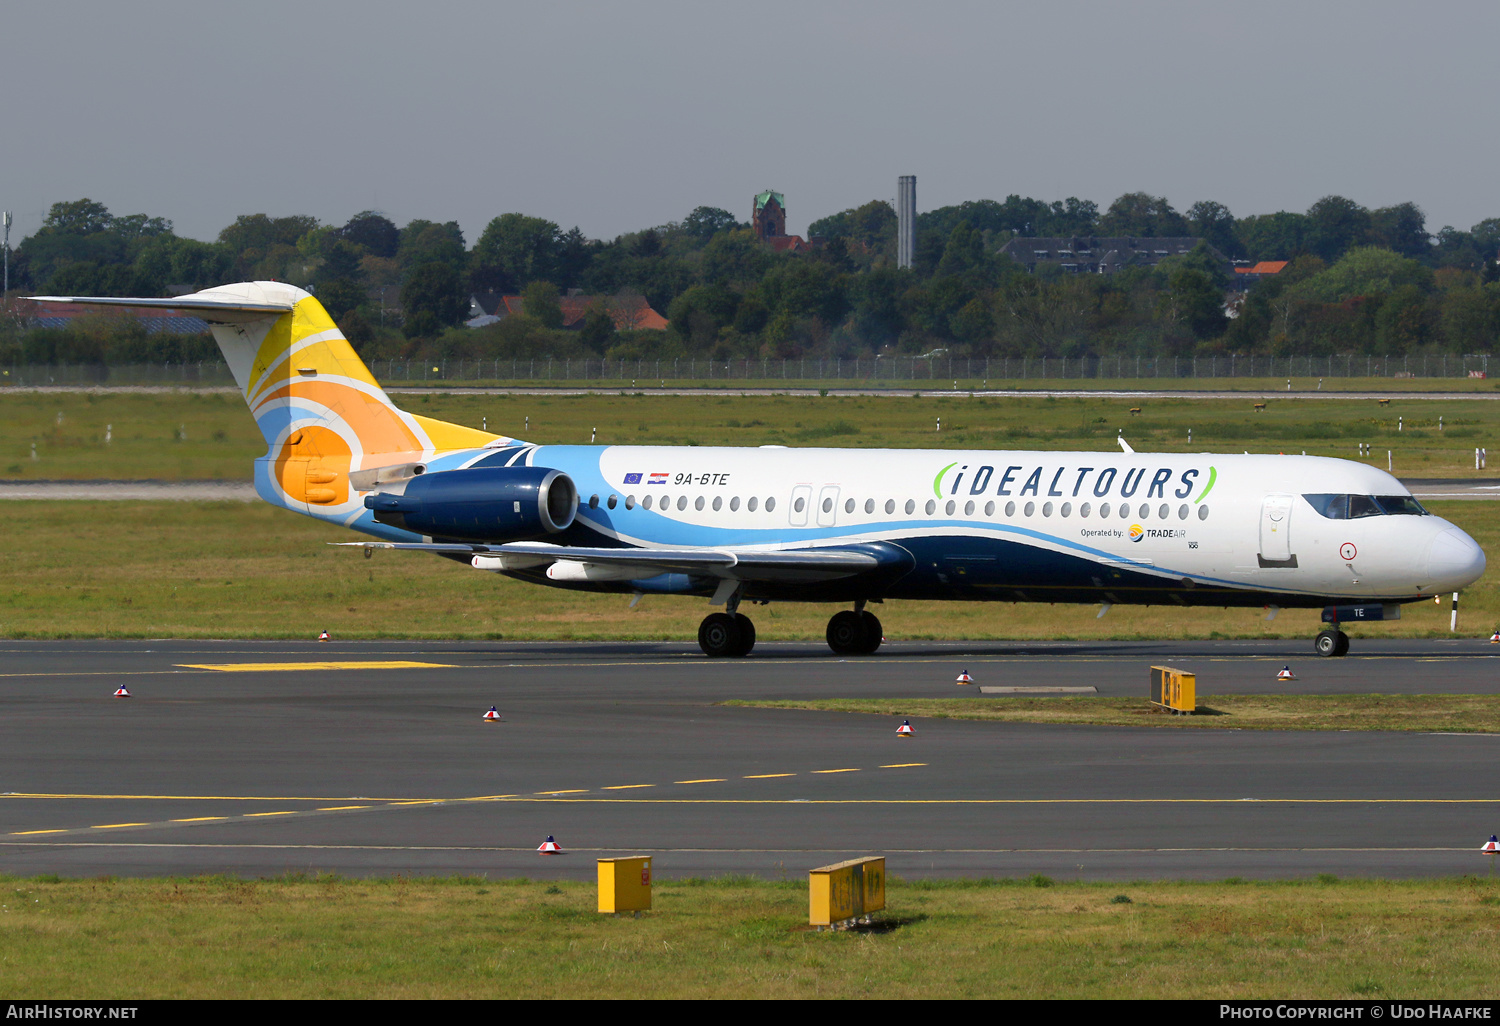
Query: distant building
[629,313]
[1092,255]
[1247,275]
[768,222]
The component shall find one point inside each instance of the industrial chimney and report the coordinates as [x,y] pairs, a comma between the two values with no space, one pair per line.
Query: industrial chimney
[906,220]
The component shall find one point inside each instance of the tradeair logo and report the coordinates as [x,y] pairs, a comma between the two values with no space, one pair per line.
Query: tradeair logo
[1074,482]
[1137,532]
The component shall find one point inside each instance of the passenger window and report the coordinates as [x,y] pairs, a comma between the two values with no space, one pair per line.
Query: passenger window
[593,502]
[869,505]
[1047,509]
[1083,510]
[613,500]
[1202,512]
[1067,509]
[1362,506]
[750,505]
[630,502]
[718,503]
[1124,511]
[734,504]
[770,503]
[931,507]
[989,509]
[890,506]
[969,508]
[1103,510]
[1030,508]
[949,508]
[646,502]
[796,505]
[827,505]
[1010,509]
[682,501]
[1164,512]
[848,505]
[911,507]
[1182,511]
[1145,511]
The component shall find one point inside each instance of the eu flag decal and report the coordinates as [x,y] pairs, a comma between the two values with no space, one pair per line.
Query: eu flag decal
[632,479]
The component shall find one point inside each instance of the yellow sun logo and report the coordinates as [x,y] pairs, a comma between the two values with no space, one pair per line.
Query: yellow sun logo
[1137,532]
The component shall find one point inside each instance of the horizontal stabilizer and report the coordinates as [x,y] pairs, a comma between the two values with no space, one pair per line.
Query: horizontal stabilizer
[228,306]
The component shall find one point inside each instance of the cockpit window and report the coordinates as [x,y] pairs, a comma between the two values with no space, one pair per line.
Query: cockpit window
[1401,505]
[1352,507]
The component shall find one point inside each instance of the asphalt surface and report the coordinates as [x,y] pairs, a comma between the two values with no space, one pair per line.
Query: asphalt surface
[620,748]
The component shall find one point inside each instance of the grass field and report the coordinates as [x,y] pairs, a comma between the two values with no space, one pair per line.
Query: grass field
[232,569]
[1479,714]
[197,435]
[1032,938]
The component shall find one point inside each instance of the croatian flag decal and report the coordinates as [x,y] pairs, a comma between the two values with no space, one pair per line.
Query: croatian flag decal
[632,479]
[658,479]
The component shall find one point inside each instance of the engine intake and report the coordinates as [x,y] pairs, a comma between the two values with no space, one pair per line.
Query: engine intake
[491,504]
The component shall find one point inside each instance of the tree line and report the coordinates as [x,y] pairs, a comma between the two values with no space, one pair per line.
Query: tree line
[1358,280]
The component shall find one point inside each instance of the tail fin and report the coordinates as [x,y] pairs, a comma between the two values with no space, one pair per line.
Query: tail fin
[322,413]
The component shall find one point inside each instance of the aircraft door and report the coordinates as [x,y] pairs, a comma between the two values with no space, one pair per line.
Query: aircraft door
[801,499]
[1276,532]
[828,506]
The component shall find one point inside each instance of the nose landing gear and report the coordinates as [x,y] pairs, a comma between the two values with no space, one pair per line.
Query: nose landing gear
[1331,643]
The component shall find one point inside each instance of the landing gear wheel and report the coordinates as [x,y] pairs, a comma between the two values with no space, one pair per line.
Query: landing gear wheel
[846,633]
[720,635]
[874,633]
[1331,643]
[747,635]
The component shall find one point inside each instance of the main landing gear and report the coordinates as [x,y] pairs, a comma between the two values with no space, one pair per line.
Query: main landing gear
[855,632]
[1331,643]
[726,634]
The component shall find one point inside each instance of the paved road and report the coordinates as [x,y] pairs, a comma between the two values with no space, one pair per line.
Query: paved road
[615,748]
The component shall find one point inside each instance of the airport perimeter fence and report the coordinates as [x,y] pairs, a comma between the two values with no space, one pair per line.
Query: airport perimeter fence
[890,372]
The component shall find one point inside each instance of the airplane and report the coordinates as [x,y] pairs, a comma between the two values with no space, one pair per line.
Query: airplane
[741,525]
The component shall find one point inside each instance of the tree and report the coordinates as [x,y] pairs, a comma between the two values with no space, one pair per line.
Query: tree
[259,231]
[1140,214]
[598,331]
[139,226]
[705,222]
[434,288]
[515,249]
[425,242]
[870,224]
[77,217]
[377,233]
[542,304]
[964,252]
[1402,228]
[340,296]
[1278,236]
[1366,271]
[1213,223]
[1336,224]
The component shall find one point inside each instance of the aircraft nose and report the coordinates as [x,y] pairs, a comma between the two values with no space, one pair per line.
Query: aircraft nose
[1454,560]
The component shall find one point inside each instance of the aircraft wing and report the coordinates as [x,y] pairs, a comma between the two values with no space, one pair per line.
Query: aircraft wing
[754,565]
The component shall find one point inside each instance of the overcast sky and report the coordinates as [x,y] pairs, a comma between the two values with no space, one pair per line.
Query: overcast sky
[617,116]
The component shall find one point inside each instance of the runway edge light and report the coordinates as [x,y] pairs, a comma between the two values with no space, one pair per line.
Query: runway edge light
[1491,846]
[964,678]
[1285,673]
[550,846]
[122,692]
[324,636]
[492,716]
[905,729]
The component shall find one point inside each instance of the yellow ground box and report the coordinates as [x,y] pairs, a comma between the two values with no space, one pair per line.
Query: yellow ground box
[625,884]
[845,890]
[1174,689]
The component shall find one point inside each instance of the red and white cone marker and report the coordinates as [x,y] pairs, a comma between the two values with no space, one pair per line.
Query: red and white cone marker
[964,678]
[1495,638]
[905,729]
[324,637]
[1285,673]
[550,847]
[492,716]
[1491,846]
[122,692]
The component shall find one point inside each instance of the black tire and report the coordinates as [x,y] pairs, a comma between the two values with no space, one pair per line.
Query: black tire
[846,633]
[747,634]
[1343,646]
[719,635]
[1326,644]
[874,633]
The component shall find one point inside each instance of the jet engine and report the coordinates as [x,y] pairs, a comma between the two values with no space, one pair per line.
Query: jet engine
[487,504]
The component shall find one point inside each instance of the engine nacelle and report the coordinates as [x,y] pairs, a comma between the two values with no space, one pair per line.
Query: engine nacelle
[490,504]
